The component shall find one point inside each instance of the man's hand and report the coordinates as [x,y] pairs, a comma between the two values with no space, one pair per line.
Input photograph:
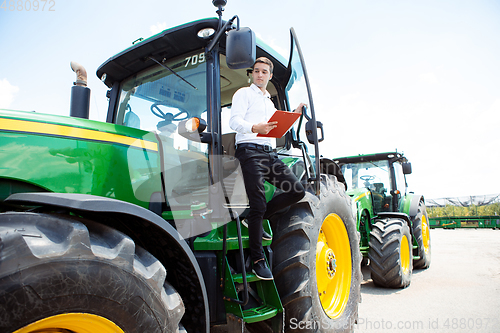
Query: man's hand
[264,128]
[299,108]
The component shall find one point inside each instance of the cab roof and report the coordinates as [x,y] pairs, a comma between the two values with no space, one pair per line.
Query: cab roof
[171,43]
[371,157]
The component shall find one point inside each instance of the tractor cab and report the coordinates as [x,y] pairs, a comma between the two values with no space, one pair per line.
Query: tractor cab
[380,177]
[182,97]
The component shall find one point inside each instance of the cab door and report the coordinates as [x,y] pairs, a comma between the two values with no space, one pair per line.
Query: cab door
[298,90]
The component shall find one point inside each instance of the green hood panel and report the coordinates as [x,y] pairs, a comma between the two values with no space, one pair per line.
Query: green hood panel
[71,155]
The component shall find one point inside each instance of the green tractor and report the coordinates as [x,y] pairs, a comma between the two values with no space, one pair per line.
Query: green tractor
[393,224]
[133,224]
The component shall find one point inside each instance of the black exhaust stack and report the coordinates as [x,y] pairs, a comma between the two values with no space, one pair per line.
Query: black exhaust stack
[80,93]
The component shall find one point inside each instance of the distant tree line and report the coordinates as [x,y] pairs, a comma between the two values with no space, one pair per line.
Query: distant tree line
[472,210]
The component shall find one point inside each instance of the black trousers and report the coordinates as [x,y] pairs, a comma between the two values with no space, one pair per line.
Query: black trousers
[259,166]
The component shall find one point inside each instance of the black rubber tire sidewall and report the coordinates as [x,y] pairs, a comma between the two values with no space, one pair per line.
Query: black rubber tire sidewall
[386,238]
[73,280]
[294,246]
[425,258]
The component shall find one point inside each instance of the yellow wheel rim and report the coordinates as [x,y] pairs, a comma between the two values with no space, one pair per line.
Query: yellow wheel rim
[426,238]
[74,322]
[405,255]
[333,266]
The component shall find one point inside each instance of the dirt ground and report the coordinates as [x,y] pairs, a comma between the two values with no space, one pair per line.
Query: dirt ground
[459,292]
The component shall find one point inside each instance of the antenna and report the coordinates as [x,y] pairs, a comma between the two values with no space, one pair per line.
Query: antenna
[220,5]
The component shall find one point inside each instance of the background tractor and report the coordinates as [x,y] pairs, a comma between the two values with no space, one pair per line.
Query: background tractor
[133,224]
[393,223]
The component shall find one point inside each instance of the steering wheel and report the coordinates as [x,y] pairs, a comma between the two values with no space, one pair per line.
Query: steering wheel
[168,117]
[367,178]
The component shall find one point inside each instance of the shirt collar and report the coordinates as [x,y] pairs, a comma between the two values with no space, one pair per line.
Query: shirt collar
[257,90]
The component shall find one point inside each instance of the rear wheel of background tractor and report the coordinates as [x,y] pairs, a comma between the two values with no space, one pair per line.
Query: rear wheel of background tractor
[61,273]
[317,262]
[390,253]
[421,231]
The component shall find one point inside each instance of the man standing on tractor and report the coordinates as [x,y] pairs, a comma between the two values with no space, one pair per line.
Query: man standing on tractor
[251,109]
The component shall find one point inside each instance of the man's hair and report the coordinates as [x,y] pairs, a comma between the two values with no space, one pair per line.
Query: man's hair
[264,60]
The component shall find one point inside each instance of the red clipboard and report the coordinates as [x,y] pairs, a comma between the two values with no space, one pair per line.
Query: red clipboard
[285,121]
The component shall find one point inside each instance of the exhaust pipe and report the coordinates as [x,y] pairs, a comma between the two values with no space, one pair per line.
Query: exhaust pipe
[80,93]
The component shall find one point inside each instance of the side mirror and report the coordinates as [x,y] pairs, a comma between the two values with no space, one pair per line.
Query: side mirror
[407,168]
[240,48]
[310,131]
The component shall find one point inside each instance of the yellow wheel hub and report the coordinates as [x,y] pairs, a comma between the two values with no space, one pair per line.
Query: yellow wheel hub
[405,255]
[426,239]
[333,266]
[73,322]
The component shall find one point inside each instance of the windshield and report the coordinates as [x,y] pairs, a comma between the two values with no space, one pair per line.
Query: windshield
[156,100]
[371,175]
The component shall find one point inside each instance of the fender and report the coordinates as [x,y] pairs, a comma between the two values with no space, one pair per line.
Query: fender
[415,201]
[330,167]
[95,204]
[399,216]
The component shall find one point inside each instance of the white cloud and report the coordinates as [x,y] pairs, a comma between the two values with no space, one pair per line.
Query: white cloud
[429,78]
[159,27]
[7,92]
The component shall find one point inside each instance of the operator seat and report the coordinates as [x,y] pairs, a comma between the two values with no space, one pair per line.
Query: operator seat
[233,177]
[379,196]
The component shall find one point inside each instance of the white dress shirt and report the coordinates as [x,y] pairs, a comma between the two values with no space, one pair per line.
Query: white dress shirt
[250,106]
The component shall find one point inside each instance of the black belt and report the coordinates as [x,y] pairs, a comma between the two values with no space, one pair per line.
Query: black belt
[265,148]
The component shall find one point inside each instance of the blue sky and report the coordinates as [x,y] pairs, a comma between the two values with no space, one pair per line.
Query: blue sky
[422,77]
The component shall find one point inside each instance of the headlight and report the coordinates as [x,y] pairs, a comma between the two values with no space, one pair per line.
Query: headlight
[206,33]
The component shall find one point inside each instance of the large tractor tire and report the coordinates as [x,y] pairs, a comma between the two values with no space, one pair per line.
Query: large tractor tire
[317,262]
[391,259]
[65,274]
[421,232]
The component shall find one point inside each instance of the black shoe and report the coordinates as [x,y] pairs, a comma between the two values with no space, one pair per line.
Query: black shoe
[265,235]
[262,271]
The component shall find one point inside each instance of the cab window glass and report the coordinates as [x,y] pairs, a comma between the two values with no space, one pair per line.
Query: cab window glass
[400,178]
[296,93]
[157,100]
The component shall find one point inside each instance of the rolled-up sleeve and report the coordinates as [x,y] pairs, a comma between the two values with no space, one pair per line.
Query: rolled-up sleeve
[239,109]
